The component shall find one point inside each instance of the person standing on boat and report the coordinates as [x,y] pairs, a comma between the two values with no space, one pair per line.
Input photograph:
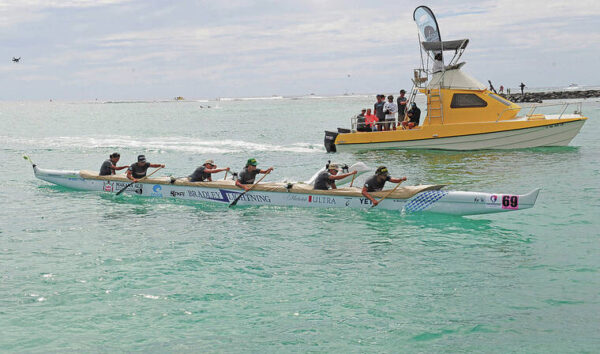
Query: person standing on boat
[110,166]
[361,125]
[138,169]
[378,109]
[249,173]
[390,109]
[203,173]
[376,182]
[371,120]
[326,179]
[401,102]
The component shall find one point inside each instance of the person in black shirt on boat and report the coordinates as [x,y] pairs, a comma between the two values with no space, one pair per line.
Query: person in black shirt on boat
[376,182]
[413,116]
[248,174]
[203,173]
[138,169]
[401,102]
[326,179]
[378,108]
[110,166]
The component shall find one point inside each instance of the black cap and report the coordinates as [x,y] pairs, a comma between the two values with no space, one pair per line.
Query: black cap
[141,158]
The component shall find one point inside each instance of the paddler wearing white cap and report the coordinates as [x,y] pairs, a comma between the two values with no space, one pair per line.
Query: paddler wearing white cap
[203,173]
[327,178]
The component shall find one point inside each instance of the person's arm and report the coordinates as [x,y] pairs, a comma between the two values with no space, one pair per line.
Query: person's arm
[343,175]
[397,180]
[129,176]
[156,165]
[117,168]
[268,170]
[368,196]
[216,170]
[242,186]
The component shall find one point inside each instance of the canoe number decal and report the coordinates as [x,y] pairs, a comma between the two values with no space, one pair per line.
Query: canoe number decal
[510,202]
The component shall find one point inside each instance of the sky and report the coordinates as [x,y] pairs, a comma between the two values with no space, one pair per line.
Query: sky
[147,49]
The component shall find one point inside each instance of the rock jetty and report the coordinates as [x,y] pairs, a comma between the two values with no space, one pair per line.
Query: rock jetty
[538,97]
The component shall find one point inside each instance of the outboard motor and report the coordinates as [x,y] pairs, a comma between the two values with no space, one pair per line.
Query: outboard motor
[330,141]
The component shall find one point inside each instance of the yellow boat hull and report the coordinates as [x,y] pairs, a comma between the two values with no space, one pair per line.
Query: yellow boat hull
[510,134]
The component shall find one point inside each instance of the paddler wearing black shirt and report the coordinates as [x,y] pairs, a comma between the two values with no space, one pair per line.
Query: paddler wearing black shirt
[203,173]
[376,182]
[249,173]
[138,169]
[110,166]
[327,178]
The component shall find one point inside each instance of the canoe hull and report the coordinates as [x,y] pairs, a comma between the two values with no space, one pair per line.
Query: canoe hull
[437,201]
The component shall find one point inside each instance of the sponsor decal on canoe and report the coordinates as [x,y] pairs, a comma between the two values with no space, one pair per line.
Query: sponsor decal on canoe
[298,198]
[108,187]
[136,188]
[321,199]
[177,194]
[156,191]
[226,196]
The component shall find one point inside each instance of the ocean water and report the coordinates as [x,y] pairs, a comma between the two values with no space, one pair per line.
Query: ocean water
[91,272]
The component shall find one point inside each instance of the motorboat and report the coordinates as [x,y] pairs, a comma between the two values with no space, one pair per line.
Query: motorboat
[462,113]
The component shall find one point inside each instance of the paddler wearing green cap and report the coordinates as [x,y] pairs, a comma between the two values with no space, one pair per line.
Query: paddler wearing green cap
[376,182]
[248,174]
[327,178]
[204,172]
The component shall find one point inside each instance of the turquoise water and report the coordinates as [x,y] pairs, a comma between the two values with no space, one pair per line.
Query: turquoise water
[92,272]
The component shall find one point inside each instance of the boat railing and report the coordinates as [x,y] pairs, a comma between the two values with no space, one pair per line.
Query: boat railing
[564,106]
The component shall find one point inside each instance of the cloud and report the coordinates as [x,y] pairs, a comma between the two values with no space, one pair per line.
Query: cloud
[267,47]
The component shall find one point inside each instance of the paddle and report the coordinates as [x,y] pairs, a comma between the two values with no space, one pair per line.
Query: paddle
[353,176]
[127,186]
[249,189]
[225,178]
[388,194]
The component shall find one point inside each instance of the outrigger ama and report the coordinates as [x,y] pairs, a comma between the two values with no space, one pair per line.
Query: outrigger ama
[462,114]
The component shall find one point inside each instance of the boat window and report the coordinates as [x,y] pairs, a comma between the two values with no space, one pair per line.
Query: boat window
[466,100]
[500,99]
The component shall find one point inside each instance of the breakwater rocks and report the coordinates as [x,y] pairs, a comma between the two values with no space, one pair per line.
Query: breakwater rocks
[538,97]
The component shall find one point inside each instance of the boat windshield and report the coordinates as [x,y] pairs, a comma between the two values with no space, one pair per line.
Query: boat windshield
[500,99]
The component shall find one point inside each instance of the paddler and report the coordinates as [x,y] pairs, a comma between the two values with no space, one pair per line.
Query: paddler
[138,169]
[326,179]
[248,174]
[110,166]
[376,182]
[203,173]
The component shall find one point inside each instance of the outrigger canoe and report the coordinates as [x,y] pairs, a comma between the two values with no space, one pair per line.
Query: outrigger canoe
[422,198]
